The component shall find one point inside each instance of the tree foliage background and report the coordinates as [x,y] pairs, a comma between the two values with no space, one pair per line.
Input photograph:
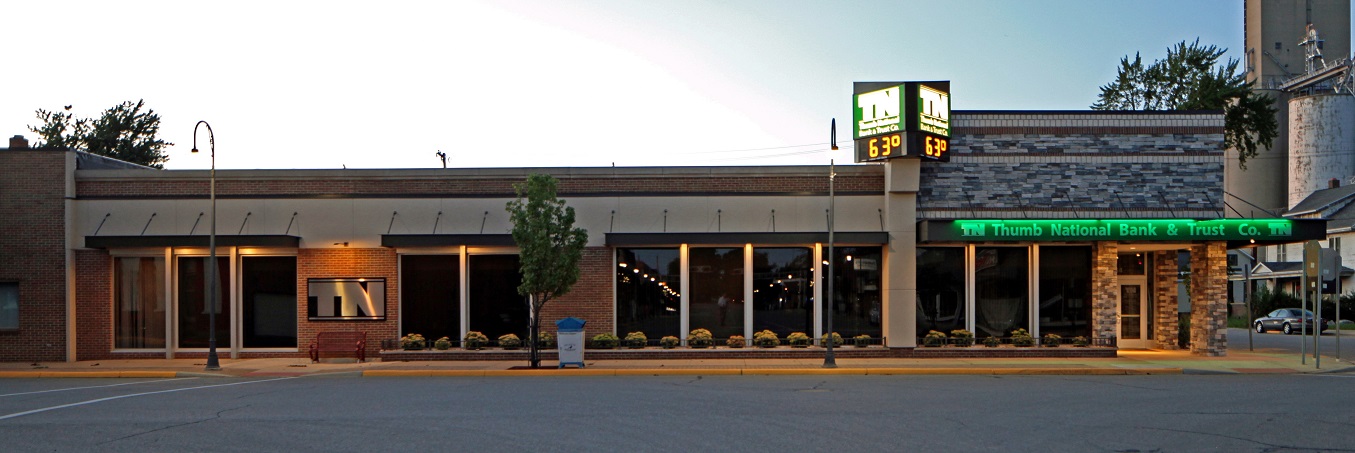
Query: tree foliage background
[126,132]
[1192,78]
[550,247]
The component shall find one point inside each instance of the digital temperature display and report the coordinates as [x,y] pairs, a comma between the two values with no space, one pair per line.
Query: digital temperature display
[900,144]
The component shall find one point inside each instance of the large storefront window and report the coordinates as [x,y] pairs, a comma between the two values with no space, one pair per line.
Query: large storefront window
[1065,291]
[496,308]
[940,289]
[647,298]
[430,295]
[781,290]
[193,302]
[1001,290]
[268,292]
[139,302]
[857,291]
[717,290]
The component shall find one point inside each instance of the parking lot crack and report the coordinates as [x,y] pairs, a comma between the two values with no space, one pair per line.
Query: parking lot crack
[162,428]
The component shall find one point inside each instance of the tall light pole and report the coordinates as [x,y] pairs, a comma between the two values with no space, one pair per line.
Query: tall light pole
[829,361]
[213,364]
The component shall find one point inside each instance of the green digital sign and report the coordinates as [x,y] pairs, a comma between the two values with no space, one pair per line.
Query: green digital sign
[1267,230]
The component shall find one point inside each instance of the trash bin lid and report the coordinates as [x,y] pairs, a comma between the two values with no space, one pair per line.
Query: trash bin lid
[570,324]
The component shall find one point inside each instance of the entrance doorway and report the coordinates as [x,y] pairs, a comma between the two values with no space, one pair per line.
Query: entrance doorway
[1133,316]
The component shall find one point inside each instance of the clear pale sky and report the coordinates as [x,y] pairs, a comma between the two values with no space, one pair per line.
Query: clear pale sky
[367,84]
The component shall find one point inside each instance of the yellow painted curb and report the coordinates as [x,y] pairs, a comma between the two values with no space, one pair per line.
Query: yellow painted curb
[804,371]
[88,374]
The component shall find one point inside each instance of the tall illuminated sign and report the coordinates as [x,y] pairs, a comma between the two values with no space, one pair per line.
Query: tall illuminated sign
[901,119]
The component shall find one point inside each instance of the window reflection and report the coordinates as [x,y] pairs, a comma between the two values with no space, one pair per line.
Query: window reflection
[940,289]
[647,298]
[193,315]
[1001,291]
[717,290]
[1065,291]
[857,287]
[139,304]
[782,293]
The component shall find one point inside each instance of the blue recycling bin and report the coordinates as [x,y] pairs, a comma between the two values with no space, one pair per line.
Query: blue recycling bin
[569,341]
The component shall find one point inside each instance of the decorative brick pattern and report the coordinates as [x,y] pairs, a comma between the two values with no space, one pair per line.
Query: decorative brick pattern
[1105,290]
[1166,327]
[1209,299]
[33,252]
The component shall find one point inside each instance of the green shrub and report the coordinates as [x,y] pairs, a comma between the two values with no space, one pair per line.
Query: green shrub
[837,339]
[669,342]
[605,340]
[934,339]
[700,338]
[412,341]
[798,339]
[474,340]
[961,337]
[545,340]
[1022,338]
[1051,340]
[736,341]
[510,341]
[992,342]
[861,341]
[766,339]
[1081,342]
[636,340]
[442,344]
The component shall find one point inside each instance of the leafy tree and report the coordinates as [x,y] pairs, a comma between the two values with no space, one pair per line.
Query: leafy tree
[124,132]
[1191,78]
[550,247]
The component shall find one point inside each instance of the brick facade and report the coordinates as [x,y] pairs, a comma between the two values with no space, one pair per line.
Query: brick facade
[1166,327]
[344,263]
[33,251]
[590,299]
[1209,299]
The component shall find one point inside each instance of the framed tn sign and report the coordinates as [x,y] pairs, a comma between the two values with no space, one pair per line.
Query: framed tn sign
[901,119]
[346,299]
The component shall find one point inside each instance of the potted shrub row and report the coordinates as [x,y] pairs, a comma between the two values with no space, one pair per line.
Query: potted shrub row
[1020,338]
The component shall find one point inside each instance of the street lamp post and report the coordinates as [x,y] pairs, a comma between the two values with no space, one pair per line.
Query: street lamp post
[213,364]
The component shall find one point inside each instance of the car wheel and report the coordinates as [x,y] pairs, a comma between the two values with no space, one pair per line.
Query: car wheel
[1288,330]
[1260,328]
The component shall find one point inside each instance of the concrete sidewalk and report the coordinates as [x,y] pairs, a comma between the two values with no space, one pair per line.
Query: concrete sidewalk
[1128,362]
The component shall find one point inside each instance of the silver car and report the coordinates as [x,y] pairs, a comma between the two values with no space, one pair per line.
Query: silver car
[1287,320]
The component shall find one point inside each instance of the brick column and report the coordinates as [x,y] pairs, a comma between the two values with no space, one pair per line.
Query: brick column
[1105,290]
[1166,327]
[1209,299]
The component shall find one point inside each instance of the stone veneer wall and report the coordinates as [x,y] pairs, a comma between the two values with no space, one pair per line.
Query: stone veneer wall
[1209,299]
[1166,327]
[1066,164]
[1105,290]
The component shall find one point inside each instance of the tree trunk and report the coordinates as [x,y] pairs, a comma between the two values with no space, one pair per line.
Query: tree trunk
[534,357]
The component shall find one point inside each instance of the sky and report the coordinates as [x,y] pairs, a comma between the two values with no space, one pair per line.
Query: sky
[527,83]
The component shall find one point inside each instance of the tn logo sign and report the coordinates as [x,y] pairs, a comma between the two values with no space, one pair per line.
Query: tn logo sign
[879,105]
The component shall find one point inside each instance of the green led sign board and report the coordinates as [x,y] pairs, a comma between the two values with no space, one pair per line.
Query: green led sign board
[1123,230]
[901,119]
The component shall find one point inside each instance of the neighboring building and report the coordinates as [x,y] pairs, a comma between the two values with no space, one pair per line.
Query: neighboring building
[1056,222]
[1272,32]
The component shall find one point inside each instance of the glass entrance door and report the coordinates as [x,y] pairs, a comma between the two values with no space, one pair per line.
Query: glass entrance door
[1133,324]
